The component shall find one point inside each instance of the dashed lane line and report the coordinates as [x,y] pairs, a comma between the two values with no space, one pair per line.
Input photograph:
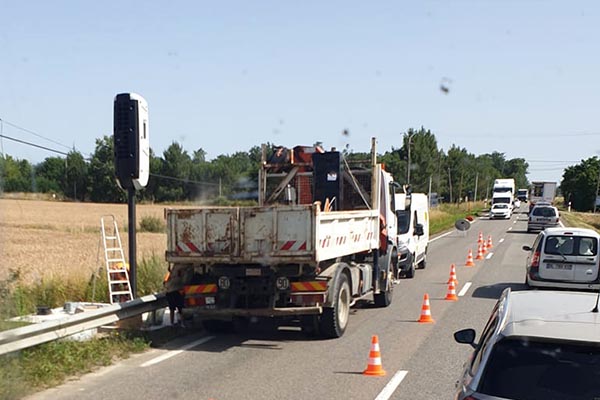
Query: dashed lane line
[389,389]
[501,240]
[464,289]
[173,353]
[489,256]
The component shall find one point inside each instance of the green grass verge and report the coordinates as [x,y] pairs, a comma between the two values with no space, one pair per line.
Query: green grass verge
[50,364]
[445,216]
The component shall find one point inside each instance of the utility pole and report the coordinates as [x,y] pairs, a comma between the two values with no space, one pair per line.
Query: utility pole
[476,179]
[450,184]
[597,188]
[408,166]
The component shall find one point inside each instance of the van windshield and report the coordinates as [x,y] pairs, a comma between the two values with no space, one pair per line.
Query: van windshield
[403,221]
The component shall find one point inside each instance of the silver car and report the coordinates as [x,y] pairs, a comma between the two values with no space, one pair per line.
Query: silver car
[536,345]
[564,258]
[542,217]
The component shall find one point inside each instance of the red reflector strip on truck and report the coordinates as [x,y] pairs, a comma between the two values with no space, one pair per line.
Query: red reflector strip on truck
[200,289]
[293,245]
[187,247]
[312,286]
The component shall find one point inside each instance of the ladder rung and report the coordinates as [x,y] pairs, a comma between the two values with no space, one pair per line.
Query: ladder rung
[115,260]
[113,249]
[121,292]
[110,237]
[119,281]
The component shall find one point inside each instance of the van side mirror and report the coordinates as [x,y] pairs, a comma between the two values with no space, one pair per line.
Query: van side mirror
[526,248]
[419,230]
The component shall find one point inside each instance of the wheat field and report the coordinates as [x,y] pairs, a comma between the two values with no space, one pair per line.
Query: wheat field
[43,239]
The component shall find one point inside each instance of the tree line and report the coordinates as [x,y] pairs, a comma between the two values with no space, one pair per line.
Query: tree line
[176,176]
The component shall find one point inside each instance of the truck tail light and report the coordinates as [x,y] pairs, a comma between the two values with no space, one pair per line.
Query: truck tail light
[308,293]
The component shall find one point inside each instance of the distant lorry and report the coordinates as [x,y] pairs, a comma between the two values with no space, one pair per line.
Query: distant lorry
[412,211]
[542,191]
[503,191]
[321,238]
[523,195]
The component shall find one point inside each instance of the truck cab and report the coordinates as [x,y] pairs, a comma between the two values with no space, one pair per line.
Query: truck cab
[412,212]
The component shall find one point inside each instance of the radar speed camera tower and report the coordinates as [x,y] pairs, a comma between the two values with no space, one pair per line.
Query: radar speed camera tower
[132,158]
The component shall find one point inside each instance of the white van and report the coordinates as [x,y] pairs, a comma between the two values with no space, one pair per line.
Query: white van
[412,212]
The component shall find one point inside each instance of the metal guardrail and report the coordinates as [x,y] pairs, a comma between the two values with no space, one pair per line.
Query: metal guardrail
[32,335]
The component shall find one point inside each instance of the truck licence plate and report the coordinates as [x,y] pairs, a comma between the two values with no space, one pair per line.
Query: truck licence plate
[566,267]
[253,272]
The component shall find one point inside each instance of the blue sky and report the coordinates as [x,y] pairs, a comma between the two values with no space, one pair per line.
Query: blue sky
[523,76]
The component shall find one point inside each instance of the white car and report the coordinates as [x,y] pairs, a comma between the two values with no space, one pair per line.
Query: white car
[564,258]
[501,210]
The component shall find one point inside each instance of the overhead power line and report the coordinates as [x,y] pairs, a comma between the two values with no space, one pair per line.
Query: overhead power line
[33,133]
[184,180]
[34,145]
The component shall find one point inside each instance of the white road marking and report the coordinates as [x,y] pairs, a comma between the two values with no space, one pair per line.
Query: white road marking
[510,229]
[173,353]
[489,256]
[501,240]
[464,289]
[389,389]
[441,236]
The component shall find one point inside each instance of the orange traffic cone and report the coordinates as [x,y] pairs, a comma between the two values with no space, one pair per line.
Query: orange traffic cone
[374,367]
[426,312]
[479,253]
[452,275]
[470,262]
[451,295]
[480,240]
[489,242]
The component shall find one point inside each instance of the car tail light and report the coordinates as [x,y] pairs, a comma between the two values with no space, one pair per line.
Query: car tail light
[535,260]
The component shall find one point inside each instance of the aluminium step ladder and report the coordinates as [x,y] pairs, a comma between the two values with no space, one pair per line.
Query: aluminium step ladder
[117,270]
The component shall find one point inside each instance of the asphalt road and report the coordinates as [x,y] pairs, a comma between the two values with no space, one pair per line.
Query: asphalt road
[421,360]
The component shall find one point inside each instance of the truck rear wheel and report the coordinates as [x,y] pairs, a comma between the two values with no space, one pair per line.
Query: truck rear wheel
[410,272]
[334,320]
[384,299]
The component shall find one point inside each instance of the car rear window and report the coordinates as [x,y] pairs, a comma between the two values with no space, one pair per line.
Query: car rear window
[544,212]
[571,245]
[519,368]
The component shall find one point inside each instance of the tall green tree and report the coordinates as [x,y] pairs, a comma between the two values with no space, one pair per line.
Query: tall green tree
[16,175]
[76,176]
[103,186]
[579,183]
[50,174]
[176,165]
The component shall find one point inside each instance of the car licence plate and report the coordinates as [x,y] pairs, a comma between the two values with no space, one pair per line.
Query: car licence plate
[253,272]
[566,267]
